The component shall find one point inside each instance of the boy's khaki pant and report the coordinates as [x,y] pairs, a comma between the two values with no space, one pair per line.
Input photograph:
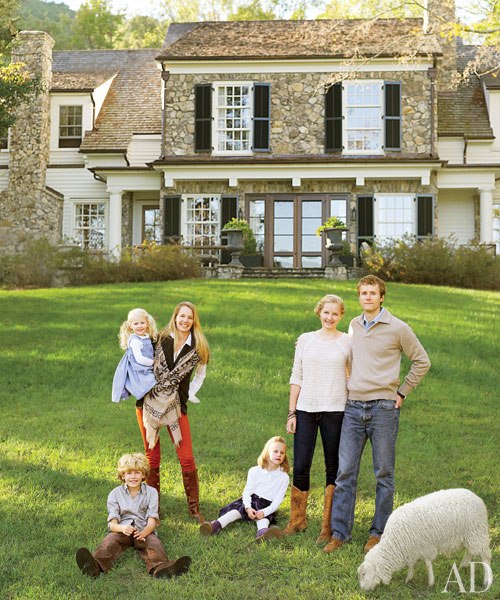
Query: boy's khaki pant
[114,544]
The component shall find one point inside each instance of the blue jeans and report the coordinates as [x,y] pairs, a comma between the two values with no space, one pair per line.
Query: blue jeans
[304,443]
[377,421]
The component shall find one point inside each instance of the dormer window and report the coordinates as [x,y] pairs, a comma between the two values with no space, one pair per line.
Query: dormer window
[70,126]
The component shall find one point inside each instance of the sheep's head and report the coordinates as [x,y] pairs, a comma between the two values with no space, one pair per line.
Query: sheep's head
[368,575]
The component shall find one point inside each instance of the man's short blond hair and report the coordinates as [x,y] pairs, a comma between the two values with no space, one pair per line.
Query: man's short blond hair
[133,462]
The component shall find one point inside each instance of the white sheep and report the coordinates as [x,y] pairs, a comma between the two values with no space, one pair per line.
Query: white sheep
[440,523]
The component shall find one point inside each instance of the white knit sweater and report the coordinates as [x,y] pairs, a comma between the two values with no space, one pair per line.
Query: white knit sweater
[321,368]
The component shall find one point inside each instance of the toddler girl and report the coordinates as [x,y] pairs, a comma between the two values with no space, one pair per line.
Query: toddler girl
[264,491]
[134,373]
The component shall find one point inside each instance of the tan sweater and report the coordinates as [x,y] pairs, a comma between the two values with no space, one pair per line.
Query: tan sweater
[376,359]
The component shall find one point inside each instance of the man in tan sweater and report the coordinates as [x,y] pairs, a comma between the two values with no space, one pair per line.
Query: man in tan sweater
[372,411]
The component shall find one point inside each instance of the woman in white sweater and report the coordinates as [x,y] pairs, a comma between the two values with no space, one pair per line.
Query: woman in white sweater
[318,394]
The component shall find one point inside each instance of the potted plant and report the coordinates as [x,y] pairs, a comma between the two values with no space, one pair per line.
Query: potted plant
[249,256]
[333,228]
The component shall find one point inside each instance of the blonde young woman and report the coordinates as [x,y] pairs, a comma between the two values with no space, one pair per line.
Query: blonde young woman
[318,395]
[181,350]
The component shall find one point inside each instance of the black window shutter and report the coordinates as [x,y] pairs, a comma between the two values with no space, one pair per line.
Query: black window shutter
[261,116]
[333,118]
[171,218]
[392,116]
[229,210]
[203,117]
[425,216]
[365,218]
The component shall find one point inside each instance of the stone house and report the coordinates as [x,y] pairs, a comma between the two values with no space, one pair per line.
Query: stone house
[254,119]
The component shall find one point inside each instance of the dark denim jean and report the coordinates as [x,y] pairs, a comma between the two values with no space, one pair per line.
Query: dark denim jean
[304,443]
[376,421]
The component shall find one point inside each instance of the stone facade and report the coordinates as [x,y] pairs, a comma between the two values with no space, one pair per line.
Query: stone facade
[294,95]
[29,209]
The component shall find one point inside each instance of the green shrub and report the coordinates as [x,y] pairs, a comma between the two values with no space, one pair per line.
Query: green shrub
[435,262]
[34,267]
[249,242]
[41,264]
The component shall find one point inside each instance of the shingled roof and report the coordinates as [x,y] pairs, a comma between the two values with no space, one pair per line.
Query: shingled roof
[329,38]
[463,112]
[133,103]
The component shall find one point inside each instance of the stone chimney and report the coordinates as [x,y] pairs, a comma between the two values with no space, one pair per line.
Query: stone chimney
[438,14]
[30,210]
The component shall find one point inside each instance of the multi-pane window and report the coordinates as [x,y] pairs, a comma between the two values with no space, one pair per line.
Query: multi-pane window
[256,220]
[363,117]
[496,226]
[90,225]
[70,126]
[151,224]
[202,220]
[233,123]
[395,216]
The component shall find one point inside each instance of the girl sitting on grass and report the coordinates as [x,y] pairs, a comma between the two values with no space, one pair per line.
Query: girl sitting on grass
[264,492]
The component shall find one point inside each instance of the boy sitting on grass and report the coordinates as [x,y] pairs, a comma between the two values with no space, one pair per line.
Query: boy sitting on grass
[132,520]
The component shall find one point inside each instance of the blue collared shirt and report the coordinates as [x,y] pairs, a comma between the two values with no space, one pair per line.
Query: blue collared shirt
[368,325]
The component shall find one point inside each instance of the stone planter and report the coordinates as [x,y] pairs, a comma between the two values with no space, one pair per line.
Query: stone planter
[334,244]
[234,244]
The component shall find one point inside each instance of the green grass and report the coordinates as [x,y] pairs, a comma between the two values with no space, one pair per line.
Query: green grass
[60,436]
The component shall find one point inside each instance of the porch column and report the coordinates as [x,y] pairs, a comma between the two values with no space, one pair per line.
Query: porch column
[115,222]
[486,216]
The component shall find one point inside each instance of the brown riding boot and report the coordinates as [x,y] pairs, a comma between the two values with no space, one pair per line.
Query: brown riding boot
[154,478]
[190,481]
[326,533]
[298,505]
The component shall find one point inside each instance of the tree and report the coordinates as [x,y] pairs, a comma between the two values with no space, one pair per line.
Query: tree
[95,26]
[142,32]
[15,83]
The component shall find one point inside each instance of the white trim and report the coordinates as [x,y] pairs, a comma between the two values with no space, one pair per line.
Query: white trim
[327,65]
[89,200]
[137,214]
[357,171]
[376,214]
[347,127]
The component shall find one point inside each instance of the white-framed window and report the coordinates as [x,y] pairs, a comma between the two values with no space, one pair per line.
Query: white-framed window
[363,117]
[89,224]
[201,219]
[496,226]
[395,215]
[232,123]
[70,126]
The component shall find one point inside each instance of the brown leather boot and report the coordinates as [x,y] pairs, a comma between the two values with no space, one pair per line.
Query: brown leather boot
[298,505]
[326,533]
[154,478]
[190,481]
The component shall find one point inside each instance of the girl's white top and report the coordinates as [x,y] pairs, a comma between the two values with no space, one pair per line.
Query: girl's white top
[321,368]
[271,485]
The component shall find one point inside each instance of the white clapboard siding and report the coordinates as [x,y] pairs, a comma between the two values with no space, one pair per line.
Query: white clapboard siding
[456,214]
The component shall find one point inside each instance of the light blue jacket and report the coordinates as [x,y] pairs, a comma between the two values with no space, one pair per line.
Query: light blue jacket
[132,378]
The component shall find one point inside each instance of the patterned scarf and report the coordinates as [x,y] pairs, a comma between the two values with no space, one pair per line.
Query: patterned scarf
[162,406]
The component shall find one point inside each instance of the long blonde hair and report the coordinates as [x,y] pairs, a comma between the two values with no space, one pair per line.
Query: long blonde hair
[263,460]
[126,329]
[200,341]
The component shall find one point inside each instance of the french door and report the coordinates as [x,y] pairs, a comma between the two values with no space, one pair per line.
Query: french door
[285,227]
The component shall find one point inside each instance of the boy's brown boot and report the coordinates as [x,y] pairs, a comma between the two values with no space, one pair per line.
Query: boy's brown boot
[173,568]
[298,505]
[87,563]
[326,533]
[333,544]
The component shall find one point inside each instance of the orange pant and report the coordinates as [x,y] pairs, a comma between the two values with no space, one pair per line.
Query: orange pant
[184,450]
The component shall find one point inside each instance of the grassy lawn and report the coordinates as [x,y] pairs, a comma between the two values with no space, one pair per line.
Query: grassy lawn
[60,437]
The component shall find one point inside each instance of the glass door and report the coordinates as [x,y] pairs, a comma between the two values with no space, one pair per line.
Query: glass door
[284,234]
[311,251]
